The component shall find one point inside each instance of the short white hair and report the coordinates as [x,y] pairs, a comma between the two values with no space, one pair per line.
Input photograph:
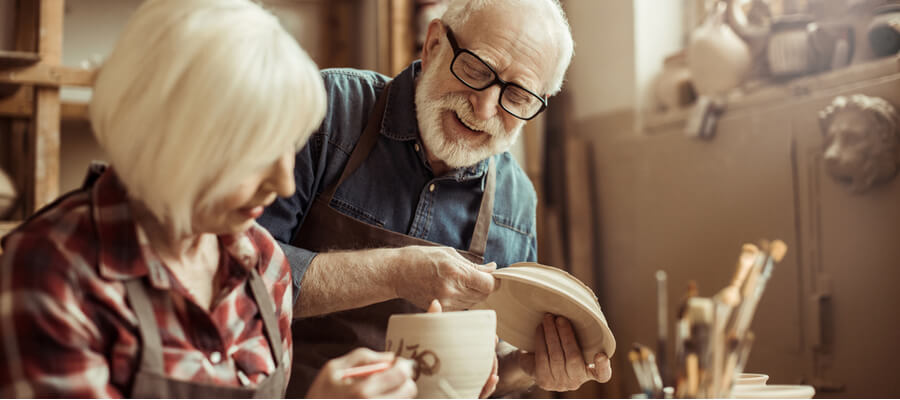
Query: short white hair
[198,94]
[459,11]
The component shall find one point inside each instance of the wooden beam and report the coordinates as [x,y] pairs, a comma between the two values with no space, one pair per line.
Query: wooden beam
[74,111]
[402,36]
[43,74]
[44,147]
[18,58]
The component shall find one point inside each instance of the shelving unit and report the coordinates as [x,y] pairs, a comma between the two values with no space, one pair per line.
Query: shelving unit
[30,106]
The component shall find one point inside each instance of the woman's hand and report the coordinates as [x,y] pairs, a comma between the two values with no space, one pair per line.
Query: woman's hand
[395,382]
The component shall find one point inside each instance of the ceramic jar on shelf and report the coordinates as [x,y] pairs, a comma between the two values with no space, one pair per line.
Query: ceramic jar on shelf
[718,59]
[8,194]
[673,88]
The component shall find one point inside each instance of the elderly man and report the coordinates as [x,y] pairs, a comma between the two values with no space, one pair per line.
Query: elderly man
[407,189]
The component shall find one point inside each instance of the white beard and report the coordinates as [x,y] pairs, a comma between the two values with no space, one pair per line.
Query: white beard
[454,151]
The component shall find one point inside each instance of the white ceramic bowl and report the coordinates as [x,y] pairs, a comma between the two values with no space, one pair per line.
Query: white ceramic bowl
[773,392]
[747,379]
[454,351]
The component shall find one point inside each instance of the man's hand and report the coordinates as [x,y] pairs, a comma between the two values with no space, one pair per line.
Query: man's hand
[425,273]
[395,382]
[557,363]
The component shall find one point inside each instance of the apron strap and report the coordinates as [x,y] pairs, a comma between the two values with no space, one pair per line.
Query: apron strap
[485,212]
[364,146]
[151,348]
[267,312]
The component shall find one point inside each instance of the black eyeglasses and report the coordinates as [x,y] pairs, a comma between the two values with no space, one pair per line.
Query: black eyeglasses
[473,72]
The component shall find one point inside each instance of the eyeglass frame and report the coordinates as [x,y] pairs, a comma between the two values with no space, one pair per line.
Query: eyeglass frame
[503,84]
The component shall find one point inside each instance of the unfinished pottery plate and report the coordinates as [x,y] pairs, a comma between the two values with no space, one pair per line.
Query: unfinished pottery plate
[529,290]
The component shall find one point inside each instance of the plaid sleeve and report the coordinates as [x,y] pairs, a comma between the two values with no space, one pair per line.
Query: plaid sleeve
[49,344]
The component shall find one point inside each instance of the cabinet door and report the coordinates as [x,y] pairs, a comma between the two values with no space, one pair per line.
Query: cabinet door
[685,205]
[852,253]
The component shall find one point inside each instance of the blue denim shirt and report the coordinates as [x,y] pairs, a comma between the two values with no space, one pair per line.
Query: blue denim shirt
[391,188]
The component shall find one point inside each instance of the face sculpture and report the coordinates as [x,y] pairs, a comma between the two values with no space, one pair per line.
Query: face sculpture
[862,142]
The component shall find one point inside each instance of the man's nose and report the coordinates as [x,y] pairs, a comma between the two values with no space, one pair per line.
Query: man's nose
[282,176]
[486,103]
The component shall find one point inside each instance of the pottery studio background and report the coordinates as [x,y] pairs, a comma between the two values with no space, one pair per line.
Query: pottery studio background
[681,133]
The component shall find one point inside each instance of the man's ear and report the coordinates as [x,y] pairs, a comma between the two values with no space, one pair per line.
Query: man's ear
[432,41]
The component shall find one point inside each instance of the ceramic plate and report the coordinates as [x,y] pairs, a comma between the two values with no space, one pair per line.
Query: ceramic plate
[529,290]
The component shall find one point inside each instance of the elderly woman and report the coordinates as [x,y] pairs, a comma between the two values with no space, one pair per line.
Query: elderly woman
[153,280]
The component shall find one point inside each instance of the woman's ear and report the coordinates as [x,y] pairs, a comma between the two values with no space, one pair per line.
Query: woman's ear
[432,41]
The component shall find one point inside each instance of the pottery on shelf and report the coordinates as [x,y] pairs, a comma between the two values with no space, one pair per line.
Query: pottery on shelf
[718,58]
[529,290]
[453,351]
[884,31]
[8,194]
[673,88]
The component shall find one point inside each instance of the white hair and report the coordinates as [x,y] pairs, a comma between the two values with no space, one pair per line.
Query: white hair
[198,94]
[459,11]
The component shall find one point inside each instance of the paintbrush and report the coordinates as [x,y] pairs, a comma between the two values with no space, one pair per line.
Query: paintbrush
[634,355]
[760,275]
[731,294]
[650,366]
[662,323]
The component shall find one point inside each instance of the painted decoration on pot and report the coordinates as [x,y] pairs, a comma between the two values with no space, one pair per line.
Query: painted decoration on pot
[862,141]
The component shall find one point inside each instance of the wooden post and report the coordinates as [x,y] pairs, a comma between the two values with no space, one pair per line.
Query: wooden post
[44,145]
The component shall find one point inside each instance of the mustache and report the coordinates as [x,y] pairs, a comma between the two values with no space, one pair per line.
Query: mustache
[464,110]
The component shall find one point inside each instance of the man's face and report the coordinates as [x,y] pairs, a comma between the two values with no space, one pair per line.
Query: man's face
[461,126]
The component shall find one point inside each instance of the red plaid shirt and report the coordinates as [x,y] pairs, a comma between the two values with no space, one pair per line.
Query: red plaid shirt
[65,327]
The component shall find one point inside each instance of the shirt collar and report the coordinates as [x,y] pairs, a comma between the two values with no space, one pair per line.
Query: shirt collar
[400,123]
[124,251]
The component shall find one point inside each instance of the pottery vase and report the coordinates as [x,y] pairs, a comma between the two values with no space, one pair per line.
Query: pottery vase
[673,87]
[7,194]
[717,57]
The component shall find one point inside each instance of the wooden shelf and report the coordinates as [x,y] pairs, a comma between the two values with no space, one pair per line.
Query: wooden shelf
[18,58]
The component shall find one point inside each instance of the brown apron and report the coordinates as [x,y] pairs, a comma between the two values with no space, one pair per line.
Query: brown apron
[319,339]
[151,382]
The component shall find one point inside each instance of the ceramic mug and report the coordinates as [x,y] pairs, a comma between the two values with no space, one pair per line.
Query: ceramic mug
[454,351]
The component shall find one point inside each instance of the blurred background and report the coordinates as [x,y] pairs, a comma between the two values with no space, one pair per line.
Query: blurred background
[685,129]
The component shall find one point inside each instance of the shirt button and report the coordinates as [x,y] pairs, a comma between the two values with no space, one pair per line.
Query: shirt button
[431,188]
[215,357]
[416,146]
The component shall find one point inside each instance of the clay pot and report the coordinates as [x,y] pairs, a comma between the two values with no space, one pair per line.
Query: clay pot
[789,51]
[717,57]
[673,87]
[884,31]
[8,194]
[454,351]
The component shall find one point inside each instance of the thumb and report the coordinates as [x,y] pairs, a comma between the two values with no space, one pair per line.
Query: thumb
[435,307]
[488,268]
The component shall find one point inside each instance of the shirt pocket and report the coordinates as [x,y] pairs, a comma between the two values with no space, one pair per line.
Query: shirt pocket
[357,213]
[510,242]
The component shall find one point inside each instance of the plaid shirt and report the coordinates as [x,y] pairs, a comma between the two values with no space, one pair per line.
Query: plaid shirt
[65,327]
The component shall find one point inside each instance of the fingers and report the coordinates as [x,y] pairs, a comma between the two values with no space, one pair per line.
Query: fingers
[602,370]
[487,268]
[554,346]
[571,350]
[479,278]
[393,382]
[542,371]
[491,383]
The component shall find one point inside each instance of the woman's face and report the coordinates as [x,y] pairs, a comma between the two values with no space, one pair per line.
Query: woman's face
[240,207]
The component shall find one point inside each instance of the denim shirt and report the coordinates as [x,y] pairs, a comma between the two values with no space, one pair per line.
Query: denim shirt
[392,188]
